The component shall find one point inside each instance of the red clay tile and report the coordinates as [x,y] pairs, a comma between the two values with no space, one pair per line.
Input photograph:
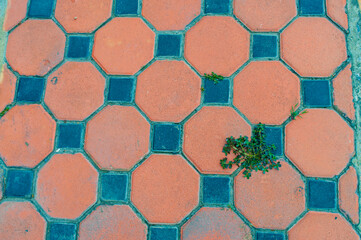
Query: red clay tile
[16,11]
[168,91]
[348,198]
[215,223]
[265,92]
[82,16]
[272,200]
[322,225]
[40,43]
[313,46]
[123,46]
[117,137]
[74,91]
[342,92]
[336,10]
[265,15]
[20,220]
[320,144]
[217,44]
[67,186]
[170,14]
[165,188]
[112,222]
[27,135]
[205,135]
[7,86]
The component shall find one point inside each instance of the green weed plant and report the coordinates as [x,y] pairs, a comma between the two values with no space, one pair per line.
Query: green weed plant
[250,154]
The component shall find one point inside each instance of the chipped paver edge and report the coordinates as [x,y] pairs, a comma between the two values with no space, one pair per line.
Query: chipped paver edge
[354,50]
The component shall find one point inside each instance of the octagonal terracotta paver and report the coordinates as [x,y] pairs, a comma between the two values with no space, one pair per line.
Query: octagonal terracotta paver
[7,86]
[217,44]
[320,144]
[16,11]
[322,225]
[74,91]
[40,43]
[215,223]
[112,222]
[117,137]
[348,195]
[82,16]
[265,15]
[336,10]
[20,220]
[272,200]
[170,14]
[123,46]
[313,47]
[165,188]
[27,135]
[265,92]
[342,92]
[67,186]
[168,91]
[205,134]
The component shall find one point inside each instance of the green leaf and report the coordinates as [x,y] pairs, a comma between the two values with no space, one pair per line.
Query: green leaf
[252,154]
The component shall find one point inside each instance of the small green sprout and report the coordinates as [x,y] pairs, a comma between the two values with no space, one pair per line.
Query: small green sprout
[296,113]
[213,77]
[251,155]
[6,109]
[202,89]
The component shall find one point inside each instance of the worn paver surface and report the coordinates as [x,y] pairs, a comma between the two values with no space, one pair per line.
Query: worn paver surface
[109,129]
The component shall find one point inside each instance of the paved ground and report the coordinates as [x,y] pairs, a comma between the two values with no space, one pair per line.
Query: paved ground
[108,129]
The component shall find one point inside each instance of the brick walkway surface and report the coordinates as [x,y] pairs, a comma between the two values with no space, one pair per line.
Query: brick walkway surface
[109,130]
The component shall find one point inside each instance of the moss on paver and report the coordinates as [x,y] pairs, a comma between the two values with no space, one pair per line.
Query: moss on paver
[354,50]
